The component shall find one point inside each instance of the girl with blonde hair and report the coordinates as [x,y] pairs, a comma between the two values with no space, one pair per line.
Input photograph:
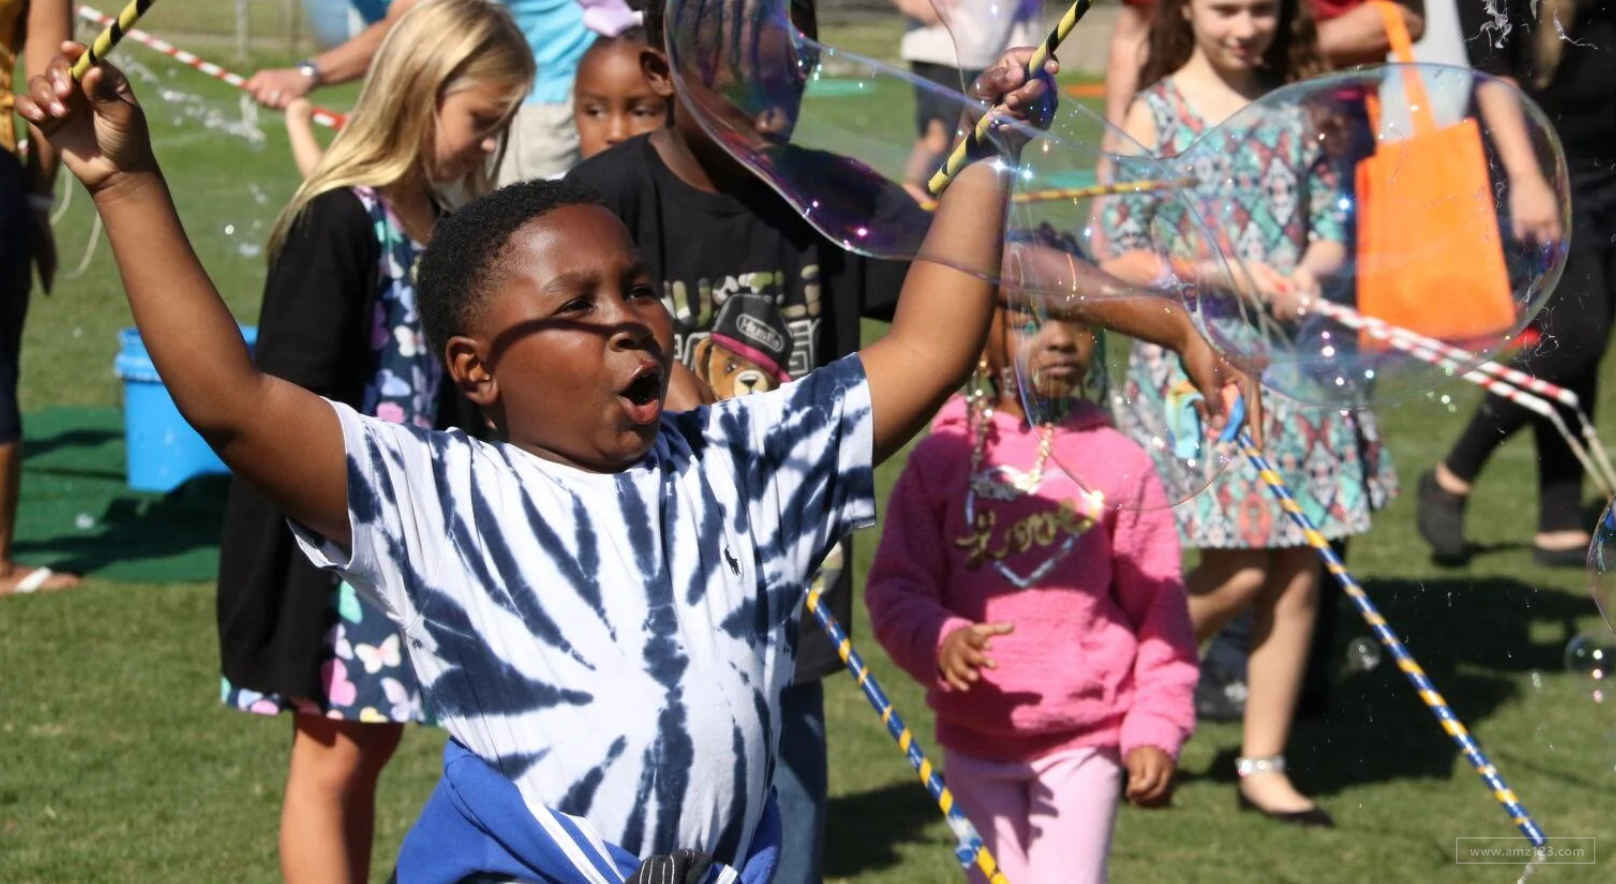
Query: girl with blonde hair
[339,317]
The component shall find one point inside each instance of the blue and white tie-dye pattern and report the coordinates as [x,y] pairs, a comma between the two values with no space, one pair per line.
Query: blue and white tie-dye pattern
[616,643]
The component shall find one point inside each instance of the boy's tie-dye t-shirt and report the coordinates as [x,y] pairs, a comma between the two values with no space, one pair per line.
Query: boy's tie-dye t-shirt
[615,643]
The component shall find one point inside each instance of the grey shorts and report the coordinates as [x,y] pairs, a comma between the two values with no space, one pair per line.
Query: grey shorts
[543,143]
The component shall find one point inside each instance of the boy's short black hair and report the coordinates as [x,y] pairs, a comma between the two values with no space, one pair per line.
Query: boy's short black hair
[461,264]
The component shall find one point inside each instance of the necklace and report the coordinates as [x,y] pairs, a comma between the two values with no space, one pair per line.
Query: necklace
[1055,531]
[979,415]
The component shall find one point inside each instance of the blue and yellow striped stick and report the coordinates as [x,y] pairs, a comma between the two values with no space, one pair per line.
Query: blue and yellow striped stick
[1405,661]
[970,851]
[110,35]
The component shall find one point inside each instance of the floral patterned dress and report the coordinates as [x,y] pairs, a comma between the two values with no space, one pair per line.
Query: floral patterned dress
[1274,192]
[365,674]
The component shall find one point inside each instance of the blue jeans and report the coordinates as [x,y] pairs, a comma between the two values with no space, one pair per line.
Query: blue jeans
[800,784]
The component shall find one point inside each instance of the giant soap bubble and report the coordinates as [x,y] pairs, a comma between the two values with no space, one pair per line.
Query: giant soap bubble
[1405,231]
[1602,565]
[748,75]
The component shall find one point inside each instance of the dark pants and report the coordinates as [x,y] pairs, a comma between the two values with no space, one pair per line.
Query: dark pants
[16,237]
[801,782]
[1574,328]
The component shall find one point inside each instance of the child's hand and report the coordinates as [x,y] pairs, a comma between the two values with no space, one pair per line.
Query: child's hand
[1217,380]
[96,122]
[964,652]
[1534,215]
[300,109]
[1150,776]
[1029,99]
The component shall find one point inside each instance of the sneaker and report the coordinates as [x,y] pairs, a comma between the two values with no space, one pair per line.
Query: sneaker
[1440,516]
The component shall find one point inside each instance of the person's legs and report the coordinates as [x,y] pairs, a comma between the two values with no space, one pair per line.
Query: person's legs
[1283,628]
[1225,583]
[1582,332]
[801,782]
[15,280]
[328,815]
[542,143]
[1574,327]
[993,796]
[1071,811]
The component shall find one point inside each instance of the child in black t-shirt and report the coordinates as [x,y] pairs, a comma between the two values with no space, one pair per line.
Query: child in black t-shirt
[758,297]
[753,289]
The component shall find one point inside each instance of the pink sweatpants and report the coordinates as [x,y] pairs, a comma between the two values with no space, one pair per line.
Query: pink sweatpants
[1047,821]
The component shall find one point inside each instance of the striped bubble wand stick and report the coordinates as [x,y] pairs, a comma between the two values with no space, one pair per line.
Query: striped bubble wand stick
[1405,661]
[110,35]
[973,138]
[970,849]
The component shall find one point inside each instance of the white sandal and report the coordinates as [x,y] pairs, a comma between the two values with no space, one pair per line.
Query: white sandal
[33,581]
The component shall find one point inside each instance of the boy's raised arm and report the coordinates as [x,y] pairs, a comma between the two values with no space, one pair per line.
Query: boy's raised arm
[273,433]
[943,313]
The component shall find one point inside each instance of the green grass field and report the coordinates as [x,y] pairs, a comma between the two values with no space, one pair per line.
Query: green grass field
[118,764]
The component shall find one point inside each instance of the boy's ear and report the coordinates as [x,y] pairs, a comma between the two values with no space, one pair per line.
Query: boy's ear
[470,372]
[654,67]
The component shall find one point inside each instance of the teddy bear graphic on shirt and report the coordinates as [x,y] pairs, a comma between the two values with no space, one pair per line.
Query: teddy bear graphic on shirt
[748,349]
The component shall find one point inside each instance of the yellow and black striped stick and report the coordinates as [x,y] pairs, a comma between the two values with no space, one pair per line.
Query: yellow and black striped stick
[969,848]
[1427,692]
[962,151]
[110,35]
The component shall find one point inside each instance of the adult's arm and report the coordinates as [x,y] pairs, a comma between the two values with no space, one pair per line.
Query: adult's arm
[276,87]
[1358,36]
[49,23]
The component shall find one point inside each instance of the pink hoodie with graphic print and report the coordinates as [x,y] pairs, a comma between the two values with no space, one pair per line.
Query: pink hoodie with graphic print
[1102,653]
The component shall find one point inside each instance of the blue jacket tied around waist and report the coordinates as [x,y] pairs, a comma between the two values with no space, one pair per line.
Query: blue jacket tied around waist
[477,826]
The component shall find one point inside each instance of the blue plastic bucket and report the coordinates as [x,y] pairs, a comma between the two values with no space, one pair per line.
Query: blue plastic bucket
[161,449]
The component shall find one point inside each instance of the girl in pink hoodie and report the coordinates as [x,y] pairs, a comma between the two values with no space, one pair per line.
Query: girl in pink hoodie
[1029,577]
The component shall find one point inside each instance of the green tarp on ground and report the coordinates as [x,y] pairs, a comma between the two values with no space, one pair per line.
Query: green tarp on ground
[77,514]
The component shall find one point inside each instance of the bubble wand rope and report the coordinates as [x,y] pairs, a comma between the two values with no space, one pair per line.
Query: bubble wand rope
[329,119]
[1495,385]
[970,851]
[1403,338]
[973,138]
[1405,661]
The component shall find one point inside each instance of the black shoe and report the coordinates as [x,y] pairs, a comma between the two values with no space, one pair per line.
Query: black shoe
[1570,557]
[1218,698]
[1314,816]
[1440,516]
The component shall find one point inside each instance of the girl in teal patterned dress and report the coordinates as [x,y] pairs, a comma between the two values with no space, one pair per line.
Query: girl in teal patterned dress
[1271,197]
[340,318]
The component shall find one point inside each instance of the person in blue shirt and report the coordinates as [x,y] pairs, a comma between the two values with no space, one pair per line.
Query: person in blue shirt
[542,142]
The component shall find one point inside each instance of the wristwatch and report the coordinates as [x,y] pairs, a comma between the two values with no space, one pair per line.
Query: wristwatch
[309,69]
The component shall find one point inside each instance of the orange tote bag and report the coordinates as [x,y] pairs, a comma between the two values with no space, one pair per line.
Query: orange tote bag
[1430,258]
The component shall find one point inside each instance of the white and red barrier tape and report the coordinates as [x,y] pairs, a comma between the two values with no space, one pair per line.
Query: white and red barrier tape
[324,117]
[1510,383]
